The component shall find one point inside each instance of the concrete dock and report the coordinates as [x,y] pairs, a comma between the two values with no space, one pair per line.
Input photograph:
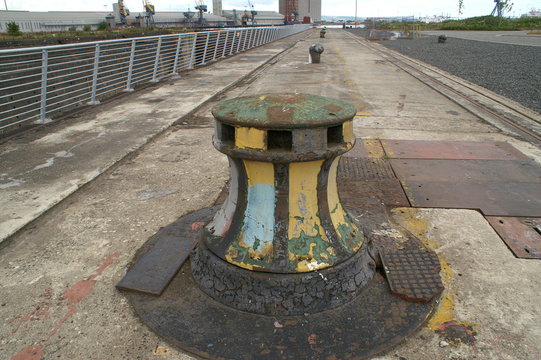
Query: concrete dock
[81,195]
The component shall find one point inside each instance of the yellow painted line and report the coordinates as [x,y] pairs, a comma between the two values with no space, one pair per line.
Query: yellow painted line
[364,114]
[250,138]
[373,148]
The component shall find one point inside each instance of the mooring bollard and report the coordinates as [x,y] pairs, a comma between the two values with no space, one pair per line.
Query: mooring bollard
[284,269]
[315,53]
[322,33]
[442,39]
[283,218]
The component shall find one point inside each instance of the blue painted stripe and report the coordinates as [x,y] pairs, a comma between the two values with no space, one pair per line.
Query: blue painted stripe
[259,216]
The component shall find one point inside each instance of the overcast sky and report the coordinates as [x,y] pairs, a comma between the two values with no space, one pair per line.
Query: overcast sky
[329,7]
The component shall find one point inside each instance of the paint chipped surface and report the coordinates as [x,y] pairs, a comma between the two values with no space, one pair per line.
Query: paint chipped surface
[254,244]
[308,245]
[284,111]
[350,236]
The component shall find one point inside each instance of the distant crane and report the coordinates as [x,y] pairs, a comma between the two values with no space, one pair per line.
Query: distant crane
[149,12]
[201,7]
[124,12]
[253,12]
[188,15]
[498,8]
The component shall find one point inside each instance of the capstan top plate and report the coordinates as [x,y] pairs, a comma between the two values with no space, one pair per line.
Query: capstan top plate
[283,111]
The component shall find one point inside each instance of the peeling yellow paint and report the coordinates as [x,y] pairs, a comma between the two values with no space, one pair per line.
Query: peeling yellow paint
[414,223]
[338,215]
[259,172]
[347,131]
[250,138]
[303,206]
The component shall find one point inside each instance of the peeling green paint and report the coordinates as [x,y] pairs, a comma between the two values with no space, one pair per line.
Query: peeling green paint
[306,249]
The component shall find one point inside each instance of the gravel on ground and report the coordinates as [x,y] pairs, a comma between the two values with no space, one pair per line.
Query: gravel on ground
[513,71]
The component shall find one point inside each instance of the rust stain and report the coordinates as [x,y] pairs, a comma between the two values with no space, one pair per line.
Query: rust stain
[197,225]
[280,113]
[333,108]
[30,352]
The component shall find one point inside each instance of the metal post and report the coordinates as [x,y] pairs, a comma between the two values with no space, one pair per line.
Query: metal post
[216,45]
[260,37]
[157,61]
[204,61]
[43,105]
[177,54]
[225,42]
[130,67]
[233,42]
[192,56]
[93,100]
[244,44]
[239,41]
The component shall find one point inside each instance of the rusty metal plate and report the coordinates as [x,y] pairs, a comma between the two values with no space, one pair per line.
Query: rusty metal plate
[365,169]
[522,235]
[388,192]
[497,199]
[414,149]
[157,262]
[366,148]
[502,171]
[375,321]
[412,274]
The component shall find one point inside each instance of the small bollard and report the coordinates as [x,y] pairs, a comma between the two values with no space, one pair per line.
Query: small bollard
[315,53]
[322,33]
[442,39]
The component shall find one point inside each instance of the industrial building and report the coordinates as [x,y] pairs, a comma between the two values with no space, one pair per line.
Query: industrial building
[299,10]
[51,21]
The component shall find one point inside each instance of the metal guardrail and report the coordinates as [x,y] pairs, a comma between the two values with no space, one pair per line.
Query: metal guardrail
[39,83]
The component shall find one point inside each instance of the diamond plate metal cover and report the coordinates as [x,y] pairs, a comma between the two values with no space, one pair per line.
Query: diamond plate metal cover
[412,274]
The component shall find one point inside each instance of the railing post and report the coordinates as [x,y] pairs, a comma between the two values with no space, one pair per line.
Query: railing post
[157,61]
[192,56]
[216,45]
[244,44]
[93,100]
[177,55]
[259,37]
[225,43]
[130,67]
[206,48]
[233,42]
[43,102]
[240,40]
